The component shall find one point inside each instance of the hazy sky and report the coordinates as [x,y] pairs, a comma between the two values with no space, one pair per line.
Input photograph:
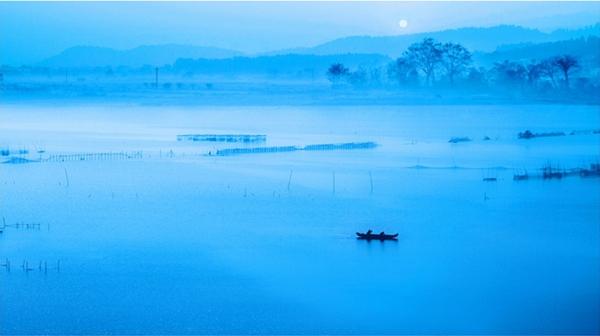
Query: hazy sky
[31,31]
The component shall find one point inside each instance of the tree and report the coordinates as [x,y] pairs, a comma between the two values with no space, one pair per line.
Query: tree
[337,72]
[455,59]
[534,72]
[375,76]
[402,71]
[510,72]
[566,63]
[477,76]
[358,77]
[548,69]
[426,56]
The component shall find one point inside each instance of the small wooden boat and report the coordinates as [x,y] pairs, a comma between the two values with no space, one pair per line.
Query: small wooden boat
[376,236]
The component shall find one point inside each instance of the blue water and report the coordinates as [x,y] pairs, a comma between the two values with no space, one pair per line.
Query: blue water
[195,244]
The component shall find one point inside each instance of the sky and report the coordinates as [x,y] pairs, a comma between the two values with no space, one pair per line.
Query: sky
[33,31]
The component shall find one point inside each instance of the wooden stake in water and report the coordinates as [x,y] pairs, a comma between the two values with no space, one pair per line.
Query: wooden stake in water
[6,264]
[334,183]
[290,180]
[66,177]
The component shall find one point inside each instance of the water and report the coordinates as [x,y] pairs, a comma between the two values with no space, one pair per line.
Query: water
[187,243]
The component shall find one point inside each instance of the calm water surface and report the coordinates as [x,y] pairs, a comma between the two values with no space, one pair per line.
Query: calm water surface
[187,243]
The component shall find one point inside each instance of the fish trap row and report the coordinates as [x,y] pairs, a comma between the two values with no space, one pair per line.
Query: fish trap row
[94,157]
[42,266]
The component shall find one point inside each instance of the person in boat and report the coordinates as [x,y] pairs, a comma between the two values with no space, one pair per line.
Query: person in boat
[369,232]
[382,233]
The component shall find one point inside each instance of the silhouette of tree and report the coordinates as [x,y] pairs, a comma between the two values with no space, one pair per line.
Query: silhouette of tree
[455,59]
[510,72]
[548,69]
[358,77]
[403,71]
[426,56]
[336,72]
[566,63]
[534,72]
[477,76]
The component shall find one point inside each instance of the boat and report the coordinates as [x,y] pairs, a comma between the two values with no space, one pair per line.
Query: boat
[376,236]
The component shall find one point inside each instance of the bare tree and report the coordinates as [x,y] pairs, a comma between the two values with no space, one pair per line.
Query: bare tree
[548,69]
[403,71]
[510,72]
[534,72]
[566,63]
[455,59]
[426,55]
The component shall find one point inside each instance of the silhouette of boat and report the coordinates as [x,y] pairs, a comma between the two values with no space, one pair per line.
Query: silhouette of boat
[376,236]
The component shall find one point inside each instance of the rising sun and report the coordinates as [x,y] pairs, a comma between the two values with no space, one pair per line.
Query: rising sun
[403,23]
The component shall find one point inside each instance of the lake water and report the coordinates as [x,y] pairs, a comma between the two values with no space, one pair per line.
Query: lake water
[178,242]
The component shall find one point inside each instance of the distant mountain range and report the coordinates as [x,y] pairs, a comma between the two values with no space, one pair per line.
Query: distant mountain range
[474,39]
[587,50]
[154,55]
[497,39]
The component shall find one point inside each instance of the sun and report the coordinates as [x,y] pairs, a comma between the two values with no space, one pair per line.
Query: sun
[403,23]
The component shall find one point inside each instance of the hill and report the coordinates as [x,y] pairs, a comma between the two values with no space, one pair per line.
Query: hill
[587,50]
[154,55]
[475,39]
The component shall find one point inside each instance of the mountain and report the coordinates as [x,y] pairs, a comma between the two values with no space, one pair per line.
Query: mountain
[587,50]
[154,55]
[475,39]
[478,40]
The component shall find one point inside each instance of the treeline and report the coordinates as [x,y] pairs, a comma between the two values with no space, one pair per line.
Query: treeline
[288,67]
[430,63]
[569,66]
